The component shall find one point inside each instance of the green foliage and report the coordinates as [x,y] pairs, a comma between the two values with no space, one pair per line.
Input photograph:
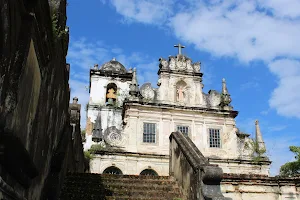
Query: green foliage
[57,31]
[83,135]
[96,147]
[291,168]
[88,156]
[258,154]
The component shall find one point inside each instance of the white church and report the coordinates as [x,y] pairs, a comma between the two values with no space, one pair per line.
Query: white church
[132,124]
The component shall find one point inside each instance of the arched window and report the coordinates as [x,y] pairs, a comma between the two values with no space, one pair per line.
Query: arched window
[112,170]
[111,94]
[181,91]
[149,172]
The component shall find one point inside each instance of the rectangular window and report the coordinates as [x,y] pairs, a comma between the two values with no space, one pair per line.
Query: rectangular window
[149,133]
[183,129]
[214,138]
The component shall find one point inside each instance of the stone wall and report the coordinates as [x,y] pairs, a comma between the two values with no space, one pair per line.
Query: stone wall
[199,179]
[257,187]
[130,163]
[35,133]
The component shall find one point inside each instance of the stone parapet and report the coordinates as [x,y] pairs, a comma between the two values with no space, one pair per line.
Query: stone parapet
[253,186]
[199,179]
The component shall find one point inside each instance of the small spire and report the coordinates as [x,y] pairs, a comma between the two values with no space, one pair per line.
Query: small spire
[258,136]
[134,87]
[224,87]
[134,78]
[96,66]
[75,100]
[113,59]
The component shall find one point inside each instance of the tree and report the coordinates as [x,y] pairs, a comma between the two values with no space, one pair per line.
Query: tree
[292,168]
[83,135]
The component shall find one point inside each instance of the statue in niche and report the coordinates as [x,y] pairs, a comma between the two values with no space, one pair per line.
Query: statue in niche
[111,94]
[180,94]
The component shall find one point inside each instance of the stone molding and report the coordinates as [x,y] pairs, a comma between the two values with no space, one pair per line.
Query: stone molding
[229,113]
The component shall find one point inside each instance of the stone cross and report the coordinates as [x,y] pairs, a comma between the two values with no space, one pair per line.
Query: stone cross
[179,48]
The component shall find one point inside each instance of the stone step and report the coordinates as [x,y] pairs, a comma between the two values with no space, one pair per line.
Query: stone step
[124,193]
[122,185]
[123,190]
[142,198]
[95,186]
[72,181]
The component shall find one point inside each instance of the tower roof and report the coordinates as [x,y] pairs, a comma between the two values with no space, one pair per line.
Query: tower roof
[113,66]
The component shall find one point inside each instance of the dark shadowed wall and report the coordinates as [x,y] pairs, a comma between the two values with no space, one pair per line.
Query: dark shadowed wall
[37,147]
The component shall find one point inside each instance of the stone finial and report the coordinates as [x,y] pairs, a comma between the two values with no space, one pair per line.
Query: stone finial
[130,70]
[224,87]
[134,87]
[75,100]
[134,77]
[225,97]
[113,59]
[96,66]
[258,136]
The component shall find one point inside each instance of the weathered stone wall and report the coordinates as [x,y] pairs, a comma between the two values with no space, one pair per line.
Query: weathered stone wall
[130,163]
[257,187]
[35,134]
[198,179]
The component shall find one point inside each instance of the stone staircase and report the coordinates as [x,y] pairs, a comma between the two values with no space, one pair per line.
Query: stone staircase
[84,186]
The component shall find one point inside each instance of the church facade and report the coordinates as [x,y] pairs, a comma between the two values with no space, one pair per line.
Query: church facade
[131,124]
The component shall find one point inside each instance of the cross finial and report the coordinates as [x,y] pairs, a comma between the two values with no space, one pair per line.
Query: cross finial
[179,48]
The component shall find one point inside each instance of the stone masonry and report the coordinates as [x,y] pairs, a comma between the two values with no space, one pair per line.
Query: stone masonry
[36,147]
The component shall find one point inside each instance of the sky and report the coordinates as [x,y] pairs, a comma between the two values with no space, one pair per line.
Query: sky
[253,44]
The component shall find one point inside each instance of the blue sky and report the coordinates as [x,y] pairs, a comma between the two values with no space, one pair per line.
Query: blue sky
[253,44]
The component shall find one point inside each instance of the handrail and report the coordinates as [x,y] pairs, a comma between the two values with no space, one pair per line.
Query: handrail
[198,179]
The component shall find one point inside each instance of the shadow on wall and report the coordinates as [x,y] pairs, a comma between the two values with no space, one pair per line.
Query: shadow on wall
[36,146]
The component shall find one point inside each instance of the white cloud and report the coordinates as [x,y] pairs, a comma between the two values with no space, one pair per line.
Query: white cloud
[85,54]
[248,30]
[286,8]
[145,11]
[238,30]
[286,98]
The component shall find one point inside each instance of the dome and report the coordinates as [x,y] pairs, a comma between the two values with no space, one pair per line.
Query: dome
[113,66]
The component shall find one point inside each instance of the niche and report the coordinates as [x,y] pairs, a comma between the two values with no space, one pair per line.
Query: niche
[111,94]
[181,92]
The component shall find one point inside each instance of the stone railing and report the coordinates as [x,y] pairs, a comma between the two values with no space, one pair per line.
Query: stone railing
[198,179]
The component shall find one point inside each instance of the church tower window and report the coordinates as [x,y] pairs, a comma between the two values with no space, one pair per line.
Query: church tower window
[111,91]
[149,133]
[214,138]
[183,129]
[181,92]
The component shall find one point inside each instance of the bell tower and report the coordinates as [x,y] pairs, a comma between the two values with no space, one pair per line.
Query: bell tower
[180,80]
